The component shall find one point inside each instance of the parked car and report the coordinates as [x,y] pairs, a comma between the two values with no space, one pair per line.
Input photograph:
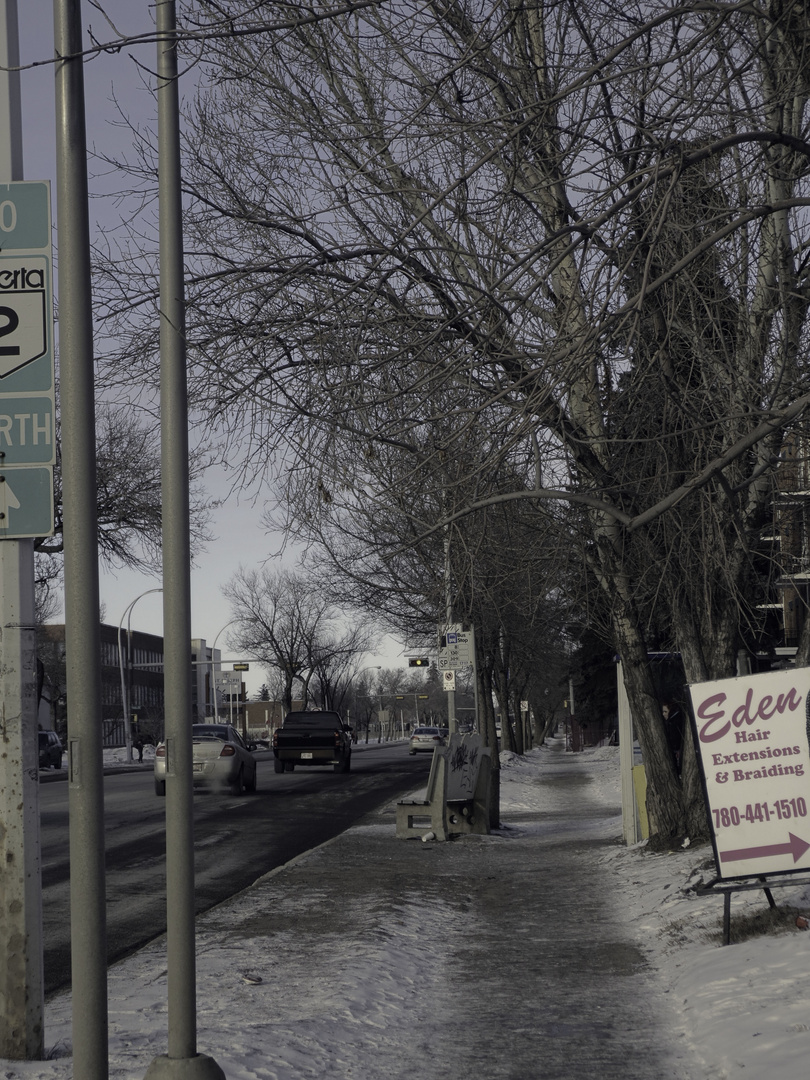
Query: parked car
[426,738]
[50,750]
[220,758]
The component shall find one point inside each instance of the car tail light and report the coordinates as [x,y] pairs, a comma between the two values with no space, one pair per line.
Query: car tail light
[227,751]
[160,751]
[275,739]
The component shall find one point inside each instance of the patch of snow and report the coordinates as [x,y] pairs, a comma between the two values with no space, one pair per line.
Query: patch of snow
[740,1009]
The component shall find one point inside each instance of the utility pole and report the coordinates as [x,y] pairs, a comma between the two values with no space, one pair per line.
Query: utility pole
[88,918]
[182,1060]
[21,977]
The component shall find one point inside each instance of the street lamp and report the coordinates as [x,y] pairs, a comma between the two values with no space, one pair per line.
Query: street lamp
[124,687]
[230,622]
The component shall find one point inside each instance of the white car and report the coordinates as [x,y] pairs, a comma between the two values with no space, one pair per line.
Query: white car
[426,738]
[221,758]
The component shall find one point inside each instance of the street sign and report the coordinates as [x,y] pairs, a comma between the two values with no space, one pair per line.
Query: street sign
[751,735]
[456,648]
[241,667]
[26,289]
[26,430]
[26,503]
[23,312]
[27,407]
[449,680]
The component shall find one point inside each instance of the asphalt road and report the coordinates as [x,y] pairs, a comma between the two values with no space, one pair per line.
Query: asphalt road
[237,840]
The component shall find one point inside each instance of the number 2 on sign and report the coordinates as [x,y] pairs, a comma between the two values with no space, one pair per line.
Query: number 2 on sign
[12,322]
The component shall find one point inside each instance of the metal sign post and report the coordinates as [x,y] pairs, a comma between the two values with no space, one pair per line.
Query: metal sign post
[21,978]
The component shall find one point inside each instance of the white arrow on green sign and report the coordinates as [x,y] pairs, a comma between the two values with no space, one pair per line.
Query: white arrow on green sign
[26,503]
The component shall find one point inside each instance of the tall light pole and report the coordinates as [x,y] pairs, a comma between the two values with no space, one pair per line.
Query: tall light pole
[183,1060]
[80,531]
[125,695]
[230,622]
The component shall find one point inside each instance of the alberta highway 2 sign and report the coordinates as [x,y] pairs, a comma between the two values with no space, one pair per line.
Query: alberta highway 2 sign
[27,396]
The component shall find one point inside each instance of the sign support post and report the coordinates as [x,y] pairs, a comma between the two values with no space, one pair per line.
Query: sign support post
[21,983]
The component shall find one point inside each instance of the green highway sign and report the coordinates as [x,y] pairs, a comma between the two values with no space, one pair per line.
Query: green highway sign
[25,215]
[27,430]
[26,503]
[26,289]
[27,403]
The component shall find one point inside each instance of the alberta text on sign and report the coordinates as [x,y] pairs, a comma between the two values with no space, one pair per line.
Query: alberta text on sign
[752,739]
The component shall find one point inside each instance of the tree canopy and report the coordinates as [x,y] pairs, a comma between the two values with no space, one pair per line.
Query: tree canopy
[510,251]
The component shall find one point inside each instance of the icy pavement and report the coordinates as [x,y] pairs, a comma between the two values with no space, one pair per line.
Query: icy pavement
[546,952]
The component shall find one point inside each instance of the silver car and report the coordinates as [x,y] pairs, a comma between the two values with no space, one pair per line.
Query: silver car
[220,757]
[426,738]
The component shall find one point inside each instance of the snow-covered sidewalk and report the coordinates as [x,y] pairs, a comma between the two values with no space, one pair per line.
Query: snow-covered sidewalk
[741,1007]
[295,981]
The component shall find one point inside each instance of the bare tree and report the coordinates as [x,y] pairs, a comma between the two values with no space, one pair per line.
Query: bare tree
[335,665]
[283,621]
[128,502]
[572,226]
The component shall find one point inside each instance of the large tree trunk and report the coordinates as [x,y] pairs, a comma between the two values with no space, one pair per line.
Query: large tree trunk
[501,686]
[486,722]
[665,809]
[520,724]
[690,646]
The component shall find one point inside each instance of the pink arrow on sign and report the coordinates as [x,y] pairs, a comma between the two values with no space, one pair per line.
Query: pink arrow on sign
[795,847]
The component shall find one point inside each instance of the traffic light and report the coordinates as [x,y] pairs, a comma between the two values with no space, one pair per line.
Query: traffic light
[418,661]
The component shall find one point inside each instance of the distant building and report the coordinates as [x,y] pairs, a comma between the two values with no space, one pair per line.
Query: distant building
[264,716]
[134,672]
[206,663]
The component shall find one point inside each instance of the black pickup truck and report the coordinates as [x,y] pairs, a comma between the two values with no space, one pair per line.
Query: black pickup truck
[312,738]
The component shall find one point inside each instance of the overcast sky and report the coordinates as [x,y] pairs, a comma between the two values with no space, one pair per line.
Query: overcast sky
[239,534]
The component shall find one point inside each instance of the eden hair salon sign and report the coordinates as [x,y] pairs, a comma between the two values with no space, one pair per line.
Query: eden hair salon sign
[752,739]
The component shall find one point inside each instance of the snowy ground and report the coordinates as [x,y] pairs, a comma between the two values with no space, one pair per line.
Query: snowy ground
[740,1009]
[743,1006]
